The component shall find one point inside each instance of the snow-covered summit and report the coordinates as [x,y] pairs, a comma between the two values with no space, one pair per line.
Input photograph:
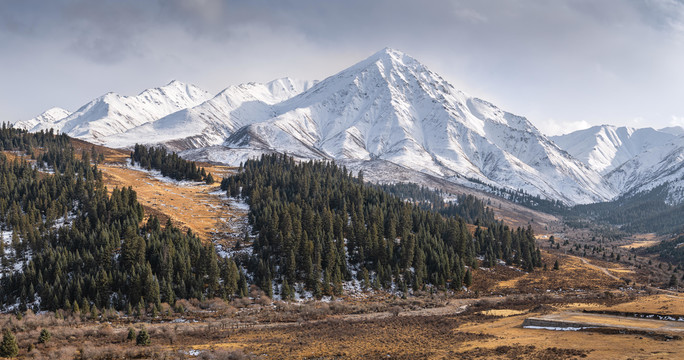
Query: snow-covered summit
[212,121]
[50,116]
[605,147]
[112,113]
[391,107]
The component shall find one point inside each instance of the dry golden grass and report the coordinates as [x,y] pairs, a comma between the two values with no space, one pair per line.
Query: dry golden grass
[508,332]
[502,312]
[194,206]
[572,274]
[655,304]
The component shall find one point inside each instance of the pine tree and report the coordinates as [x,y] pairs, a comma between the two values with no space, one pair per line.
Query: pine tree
[143,338]
[556,266]
[468,280]
[44,336]
[8,347]
[673,281]
[286,291]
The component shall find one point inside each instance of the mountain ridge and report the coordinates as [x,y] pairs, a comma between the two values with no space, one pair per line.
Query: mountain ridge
[387,107]
[113,113]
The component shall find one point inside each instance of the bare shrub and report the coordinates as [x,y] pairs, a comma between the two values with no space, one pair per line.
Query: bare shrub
[339,308]
[63,352]
[107,352]
[187,305]
[313,311]
[224,355]
[264,300]
[218,305]
[105,330]
[255,292]
[241,302]
[169,334]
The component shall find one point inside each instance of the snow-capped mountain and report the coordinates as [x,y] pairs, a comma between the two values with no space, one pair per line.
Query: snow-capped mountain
[393,108]
[388,107]
[212,121]
[605,147]
[113,113]
[654,167]
[632,160]
[43,120]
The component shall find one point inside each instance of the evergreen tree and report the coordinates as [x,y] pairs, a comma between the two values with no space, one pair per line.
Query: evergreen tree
[8,346]
[468,280]
[143,338]
[44,336]
[673,281]
[131,334]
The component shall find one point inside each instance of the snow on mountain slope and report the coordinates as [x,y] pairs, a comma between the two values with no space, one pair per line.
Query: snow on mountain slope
[212,121]
[393,108]
[113,113]
[605,147]
[41,121]
[656,166]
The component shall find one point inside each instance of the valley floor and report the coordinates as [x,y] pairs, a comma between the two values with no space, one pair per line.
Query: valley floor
[484,323]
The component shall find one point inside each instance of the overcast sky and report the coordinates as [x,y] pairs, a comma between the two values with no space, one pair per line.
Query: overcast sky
[564,65]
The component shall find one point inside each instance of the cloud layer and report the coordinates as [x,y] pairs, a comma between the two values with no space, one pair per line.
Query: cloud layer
[560,63]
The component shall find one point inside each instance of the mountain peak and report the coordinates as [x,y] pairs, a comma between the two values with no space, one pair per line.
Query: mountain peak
[56,112]
[389,56]
[386,58]
[389,52]
[48,117]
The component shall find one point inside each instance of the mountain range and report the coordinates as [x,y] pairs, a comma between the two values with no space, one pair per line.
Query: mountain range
[632,160]
[388,107]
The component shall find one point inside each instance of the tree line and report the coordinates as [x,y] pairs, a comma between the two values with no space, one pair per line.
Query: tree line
[647,211]
[169,164]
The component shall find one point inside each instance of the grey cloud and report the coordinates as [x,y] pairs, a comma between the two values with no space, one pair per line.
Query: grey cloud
[618,59]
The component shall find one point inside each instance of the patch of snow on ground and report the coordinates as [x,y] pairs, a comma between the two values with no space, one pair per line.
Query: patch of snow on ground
[556,328]
[156,174]
[9,253]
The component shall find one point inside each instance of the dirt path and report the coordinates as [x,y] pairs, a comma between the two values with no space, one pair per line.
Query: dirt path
[452,307]
[601,268]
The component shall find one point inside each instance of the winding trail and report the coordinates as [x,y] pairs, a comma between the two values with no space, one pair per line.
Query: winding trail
[600,268]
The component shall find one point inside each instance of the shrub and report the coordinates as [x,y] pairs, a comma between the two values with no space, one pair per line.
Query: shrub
[131,334]
[143,338]
[44,336]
